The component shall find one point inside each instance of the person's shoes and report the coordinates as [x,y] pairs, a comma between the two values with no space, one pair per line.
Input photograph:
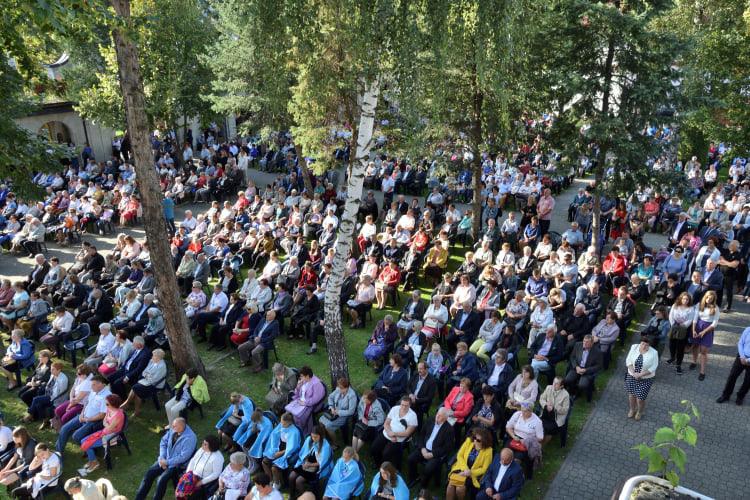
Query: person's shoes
[679,370]
[27,418]
[693,366]
[726,310]
[44,425]
[312,350]
[244,364]
[638,416]
[702,377]
[631,414]
[740,401]
[290,337]
[670,361]
[721,399]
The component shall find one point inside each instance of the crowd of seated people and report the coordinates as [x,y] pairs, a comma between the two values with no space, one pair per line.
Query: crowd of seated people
[520,292]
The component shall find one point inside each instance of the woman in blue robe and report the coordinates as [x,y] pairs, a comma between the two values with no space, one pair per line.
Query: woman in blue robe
[254,439]
[236,419]
[314,463]
[281,448]
[388,484]
[346,480]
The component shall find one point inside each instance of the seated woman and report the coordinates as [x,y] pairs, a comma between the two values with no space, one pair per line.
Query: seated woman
[382,340]
[346,479]
[413,311]
[189,392]
[435,317]
[154,327]
[44,471]
[18,356]
[283,381]
[235,478]
[392,382]
[22,457]
[555,403]
[307,397]
[473,459]
[342,405]
[129,308]
[523,389]
[388,280]
[281,448]
[387,484]
[36,383]
[314,464]
[488,334]
[200,479]
[114,421]
[77,397]
[17,306]
[152,381]
[235,419]
[460,401]
[254,439]
[525,435]
[118,356]
[362,301]
[370,416]
[54,393]
[195,301]
[487,412]
[435,263]
[411,347]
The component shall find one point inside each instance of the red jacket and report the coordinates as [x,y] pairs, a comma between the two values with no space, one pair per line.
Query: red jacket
[462,408]
[391,277]
[615,265]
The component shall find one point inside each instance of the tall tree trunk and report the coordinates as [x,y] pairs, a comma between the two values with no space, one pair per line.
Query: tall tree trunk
[476,142]
[601,159]
[334,330]
[184,354]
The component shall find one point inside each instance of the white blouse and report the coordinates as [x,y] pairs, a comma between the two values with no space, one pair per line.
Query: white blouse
[207,465]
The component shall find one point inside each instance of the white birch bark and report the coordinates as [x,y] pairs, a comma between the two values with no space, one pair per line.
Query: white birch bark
[334,332]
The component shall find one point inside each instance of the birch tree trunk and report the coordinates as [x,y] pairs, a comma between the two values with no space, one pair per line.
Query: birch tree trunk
[334,331]
[184,353]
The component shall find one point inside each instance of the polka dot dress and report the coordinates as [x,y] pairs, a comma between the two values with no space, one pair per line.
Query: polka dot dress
[638,387]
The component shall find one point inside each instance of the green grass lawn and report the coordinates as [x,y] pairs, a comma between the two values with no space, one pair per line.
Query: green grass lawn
[225,376]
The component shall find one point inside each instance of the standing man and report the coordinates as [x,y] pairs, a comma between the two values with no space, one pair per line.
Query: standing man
[544,208]
[167,205]
[741,364]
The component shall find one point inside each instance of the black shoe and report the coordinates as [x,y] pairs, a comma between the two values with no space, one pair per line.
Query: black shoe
[670,361]
[693,366]
[740,401]
[726,310]
[679,370]
[702,377]
[721,399]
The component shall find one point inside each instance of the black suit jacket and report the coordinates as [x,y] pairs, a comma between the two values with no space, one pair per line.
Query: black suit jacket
[426,392]
[419,310]
[470,327]
[555,353]
[593,361]
[103,309]
[442,445]
[41,272]
[503,381]
[139,363]
[715,281]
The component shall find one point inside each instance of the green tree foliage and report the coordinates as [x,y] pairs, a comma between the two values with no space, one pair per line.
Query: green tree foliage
[614,75]
[172,35]
[717,72]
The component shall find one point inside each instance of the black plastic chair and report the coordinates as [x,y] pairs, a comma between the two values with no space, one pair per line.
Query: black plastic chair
[78,340]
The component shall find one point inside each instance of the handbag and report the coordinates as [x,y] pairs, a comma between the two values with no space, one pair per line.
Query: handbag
[517,445]
[678,332]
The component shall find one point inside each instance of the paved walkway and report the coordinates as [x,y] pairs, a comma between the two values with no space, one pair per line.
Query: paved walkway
[602,456]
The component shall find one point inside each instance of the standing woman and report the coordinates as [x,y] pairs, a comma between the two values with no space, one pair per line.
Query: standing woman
[704,322]
[681,321]
[641,362]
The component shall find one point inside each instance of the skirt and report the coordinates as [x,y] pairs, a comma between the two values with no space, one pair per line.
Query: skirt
[310,477]
[364,432]
[144,391]
[228,428]
[638,387]
[707,340]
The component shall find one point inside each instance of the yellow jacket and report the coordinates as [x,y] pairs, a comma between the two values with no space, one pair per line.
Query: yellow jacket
[481,464]
[440,255]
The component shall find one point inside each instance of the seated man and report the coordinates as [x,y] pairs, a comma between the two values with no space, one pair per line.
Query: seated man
[91,417]
[130,372]
[260,340]
[464,326]
[421,390]
[586,361]
[504,479]
[498,374]
[434,444]
[175,450]
[546,351]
